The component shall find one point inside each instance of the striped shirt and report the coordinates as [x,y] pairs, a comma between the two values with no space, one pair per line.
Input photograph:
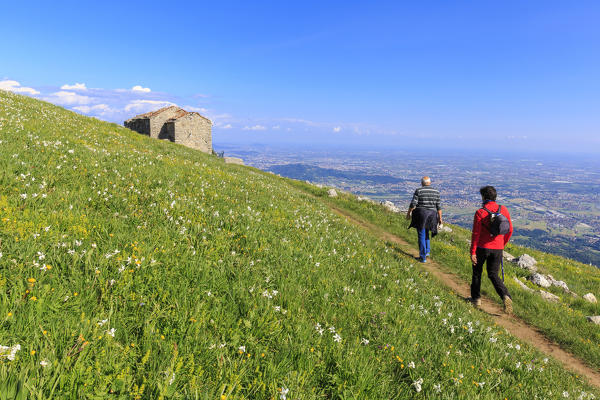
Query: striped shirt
[426,197]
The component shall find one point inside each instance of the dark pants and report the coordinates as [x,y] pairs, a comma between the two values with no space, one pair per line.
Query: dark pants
[424,243]
[492,258]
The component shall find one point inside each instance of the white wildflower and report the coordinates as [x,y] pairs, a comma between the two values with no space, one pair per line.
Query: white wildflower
[411,364]
[9,352]
[417,384]
[283,393]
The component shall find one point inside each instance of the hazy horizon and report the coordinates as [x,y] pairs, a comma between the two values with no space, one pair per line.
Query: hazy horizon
[515,76]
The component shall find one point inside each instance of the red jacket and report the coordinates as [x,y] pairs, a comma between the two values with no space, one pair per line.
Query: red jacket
[481,235]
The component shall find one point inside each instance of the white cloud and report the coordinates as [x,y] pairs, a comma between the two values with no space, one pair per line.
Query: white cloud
[255,128]
[276,127]
[337,129]
[67,98]
[195,109]
[228,126]
[76,86]
[142,106]
[138,88]
[14,86]
[98,109]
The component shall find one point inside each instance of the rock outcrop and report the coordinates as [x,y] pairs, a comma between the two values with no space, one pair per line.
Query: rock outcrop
[590,297]
[527,262]
[364,198]
[522,285]
[233,160]
[332,193]
[390,206]
[595,319]
[444,228]
[560,284]
[508,257]
[549,296]
[540,280]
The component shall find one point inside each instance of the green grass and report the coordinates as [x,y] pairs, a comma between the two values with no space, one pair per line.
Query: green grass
[135,268]
[564,322]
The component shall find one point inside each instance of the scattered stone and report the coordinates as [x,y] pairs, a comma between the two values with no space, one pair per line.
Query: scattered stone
[539,280]
[364,198]
[390,206]
[526,262]
[590,297]
[560,284]
[233,160]
[549,296]
[445,228]
[522,285]
[508,257]
[332,193]
[595,319]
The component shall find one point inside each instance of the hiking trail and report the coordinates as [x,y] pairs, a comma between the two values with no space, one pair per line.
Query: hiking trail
[513,324]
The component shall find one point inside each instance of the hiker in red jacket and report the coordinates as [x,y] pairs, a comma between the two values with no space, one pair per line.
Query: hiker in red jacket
[487,245]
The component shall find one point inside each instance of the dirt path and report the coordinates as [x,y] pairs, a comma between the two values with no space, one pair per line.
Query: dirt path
[514,325]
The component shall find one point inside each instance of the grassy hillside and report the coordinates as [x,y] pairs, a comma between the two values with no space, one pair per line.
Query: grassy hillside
[565,322]
[135,268]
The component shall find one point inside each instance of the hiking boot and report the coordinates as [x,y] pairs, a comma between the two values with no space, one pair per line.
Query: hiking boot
[508,305]
[475,302]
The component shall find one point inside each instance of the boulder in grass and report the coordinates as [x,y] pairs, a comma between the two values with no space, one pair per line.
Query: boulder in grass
[390,206]
[540,280]
[522,285]
[595,319]
[445,228]
[332,193]
[233,160]
[549,296]
[560,284]
[508,257]
[527,262]
[590,297]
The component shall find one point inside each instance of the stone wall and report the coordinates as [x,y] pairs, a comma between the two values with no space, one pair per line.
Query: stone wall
[141,125]
[191,130]
[158,130]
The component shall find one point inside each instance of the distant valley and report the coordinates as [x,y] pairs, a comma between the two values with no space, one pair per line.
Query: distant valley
[555,203]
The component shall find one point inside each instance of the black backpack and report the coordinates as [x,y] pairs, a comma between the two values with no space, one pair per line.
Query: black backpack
[498,223]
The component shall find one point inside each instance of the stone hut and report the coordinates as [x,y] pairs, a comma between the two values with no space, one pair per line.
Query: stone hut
[177,125]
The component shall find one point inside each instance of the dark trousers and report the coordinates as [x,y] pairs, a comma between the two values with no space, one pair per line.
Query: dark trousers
[492,258]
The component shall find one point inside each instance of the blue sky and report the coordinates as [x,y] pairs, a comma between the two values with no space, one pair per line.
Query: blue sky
[523,75]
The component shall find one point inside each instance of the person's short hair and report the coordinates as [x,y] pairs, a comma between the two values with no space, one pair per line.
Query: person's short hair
[425,181]
[488,193]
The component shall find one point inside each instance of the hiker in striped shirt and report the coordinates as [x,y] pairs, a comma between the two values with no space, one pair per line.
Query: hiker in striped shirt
[425,213]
